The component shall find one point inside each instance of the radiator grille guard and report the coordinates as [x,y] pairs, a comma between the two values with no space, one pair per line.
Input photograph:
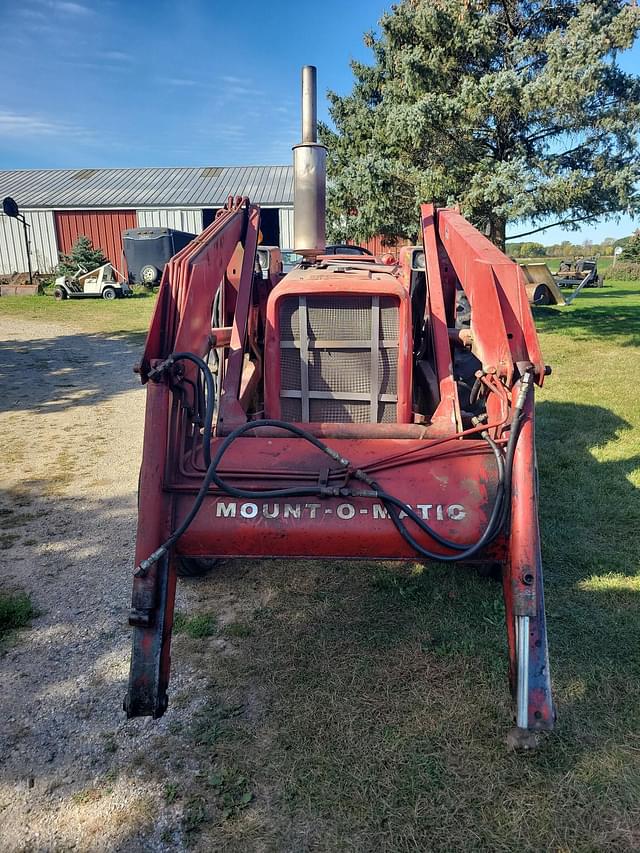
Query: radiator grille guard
[339,359]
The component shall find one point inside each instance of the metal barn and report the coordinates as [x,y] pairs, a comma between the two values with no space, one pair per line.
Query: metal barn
[62,204]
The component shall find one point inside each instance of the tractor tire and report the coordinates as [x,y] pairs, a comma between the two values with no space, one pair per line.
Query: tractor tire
[542,295]
[195,567]
[59,294]
[149,275]
[600,281]
[109,293]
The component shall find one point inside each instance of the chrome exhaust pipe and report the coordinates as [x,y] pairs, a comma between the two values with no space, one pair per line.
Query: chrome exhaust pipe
[309,175]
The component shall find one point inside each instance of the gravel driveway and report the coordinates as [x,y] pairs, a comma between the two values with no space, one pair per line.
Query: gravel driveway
[71,415]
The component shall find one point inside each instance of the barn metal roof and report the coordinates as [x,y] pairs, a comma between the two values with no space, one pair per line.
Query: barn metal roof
[202,186]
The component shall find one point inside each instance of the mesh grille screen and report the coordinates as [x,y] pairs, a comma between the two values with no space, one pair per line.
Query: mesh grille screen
[335,367]
[291,410]
[388,319]
[290,376]
[339,412]
[340,370]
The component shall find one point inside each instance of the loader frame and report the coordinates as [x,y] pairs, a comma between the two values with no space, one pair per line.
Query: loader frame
[445,457]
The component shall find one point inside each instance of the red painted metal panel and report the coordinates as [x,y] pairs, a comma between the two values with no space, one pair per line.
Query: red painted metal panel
[503,325]
[363,284]
[441,490]
[103,227]
[377,245]
[448,411]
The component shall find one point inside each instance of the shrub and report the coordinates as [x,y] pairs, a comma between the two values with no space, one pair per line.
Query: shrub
[16,611]
[624,271]
[82,254]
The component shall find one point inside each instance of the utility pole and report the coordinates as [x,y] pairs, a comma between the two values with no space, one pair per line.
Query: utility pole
[10,208]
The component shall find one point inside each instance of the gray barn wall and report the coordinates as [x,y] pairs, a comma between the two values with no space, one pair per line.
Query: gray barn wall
[182,220]
[286,228]
[42,236]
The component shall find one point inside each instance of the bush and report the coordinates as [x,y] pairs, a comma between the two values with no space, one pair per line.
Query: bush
[623,271]
[82,255]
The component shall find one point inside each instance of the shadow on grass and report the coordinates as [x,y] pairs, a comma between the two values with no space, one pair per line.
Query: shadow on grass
[586,320]
[590,509]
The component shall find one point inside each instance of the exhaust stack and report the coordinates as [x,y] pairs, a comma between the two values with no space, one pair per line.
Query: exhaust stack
[309,175]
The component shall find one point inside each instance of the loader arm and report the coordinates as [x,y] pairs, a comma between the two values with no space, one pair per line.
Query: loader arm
[349,409]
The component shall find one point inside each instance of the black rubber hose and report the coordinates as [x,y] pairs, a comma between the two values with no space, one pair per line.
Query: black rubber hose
[446,558]
[496,520]
[475,392]
[514,432]
[464,551]
[271,493]
[211,394]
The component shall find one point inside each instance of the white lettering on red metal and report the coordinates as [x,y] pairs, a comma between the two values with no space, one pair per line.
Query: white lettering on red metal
[226,510]
[456,512]
[271,513]
[291,510]
[249,510]
[345,511]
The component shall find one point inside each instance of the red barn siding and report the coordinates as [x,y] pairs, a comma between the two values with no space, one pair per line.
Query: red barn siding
[377,247]
[103,227]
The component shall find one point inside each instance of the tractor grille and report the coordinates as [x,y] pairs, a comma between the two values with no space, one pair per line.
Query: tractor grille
[339,359]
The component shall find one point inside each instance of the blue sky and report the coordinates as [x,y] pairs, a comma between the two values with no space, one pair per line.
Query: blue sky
[88,84]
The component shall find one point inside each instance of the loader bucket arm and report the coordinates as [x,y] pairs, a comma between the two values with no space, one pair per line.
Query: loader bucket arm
[502,323]
[222,255]
[319,430]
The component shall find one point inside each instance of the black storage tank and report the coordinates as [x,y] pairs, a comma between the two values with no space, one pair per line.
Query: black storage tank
[147,250]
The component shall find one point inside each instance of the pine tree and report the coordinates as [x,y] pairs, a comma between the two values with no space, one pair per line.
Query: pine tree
[631,251]
[518,111]
[82,254]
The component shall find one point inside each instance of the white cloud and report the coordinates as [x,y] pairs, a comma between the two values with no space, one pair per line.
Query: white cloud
[237,81]
[117,56]
[69,8]
[21,125]
[179,81]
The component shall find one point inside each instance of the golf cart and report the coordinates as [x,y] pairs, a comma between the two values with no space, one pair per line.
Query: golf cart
[105,281]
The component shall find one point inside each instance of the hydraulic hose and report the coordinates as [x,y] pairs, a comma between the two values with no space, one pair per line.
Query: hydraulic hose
[497,519]
[211,394]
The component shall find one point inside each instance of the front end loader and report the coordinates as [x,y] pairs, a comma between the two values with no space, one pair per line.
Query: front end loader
[348,409]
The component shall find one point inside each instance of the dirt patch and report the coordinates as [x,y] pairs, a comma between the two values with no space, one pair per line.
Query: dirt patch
[74,773]
[71,431]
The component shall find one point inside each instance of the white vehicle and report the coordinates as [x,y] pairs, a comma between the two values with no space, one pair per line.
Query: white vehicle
[105,281]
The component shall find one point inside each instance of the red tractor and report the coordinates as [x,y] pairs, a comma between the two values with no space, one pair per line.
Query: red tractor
[348,409]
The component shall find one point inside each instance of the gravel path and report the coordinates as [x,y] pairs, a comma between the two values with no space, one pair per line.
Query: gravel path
[71,416]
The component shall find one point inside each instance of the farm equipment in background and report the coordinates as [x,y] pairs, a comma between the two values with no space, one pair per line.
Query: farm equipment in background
[541,286]
[348,409]
[579,274]
[104,281]
[147,250]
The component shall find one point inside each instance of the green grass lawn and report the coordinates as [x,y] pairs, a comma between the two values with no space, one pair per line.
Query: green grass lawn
[377,696]
[382,701]
[130,315]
